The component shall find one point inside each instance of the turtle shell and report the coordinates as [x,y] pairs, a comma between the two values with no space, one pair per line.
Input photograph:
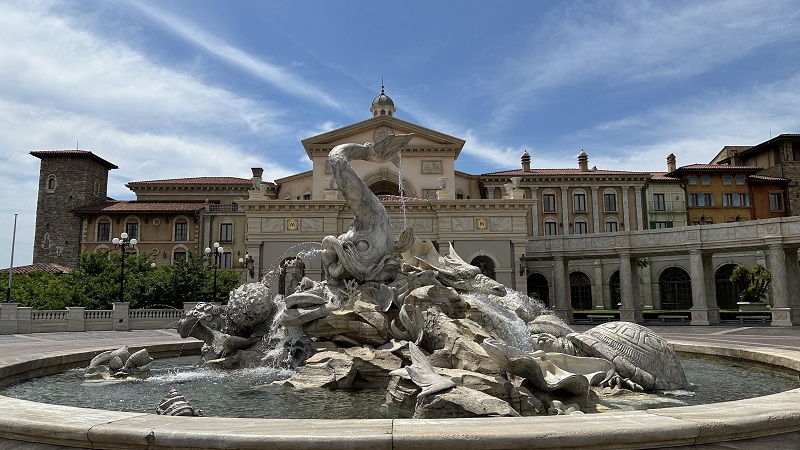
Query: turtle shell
[637,353]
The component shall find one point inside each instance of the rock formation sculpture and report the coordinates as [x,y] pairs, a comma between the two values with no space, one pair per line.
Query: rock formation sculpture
[445,340]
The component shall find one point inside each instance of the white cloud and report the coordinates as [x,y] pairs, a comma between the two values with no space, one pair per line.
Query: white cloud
[613,43]
[278,77]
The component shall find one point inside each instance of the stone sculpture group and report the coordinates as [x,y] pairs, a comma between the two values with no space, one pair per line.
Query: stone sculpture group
[441,337]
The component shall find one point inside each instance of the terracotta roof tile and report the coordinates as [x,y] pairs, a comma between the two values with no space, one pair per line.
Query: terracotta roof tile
[194,181]
[720,167]
[662,176]
[38,267]
[546,172]
[766,178]
[136,206]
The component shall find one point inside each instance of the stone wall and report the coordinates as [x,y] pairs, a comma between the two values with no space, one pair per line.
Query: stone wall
[66,182]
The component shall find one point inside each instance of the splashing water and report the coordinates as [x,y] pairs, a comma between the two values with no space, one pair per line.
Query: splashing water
[498,320]
[402,191]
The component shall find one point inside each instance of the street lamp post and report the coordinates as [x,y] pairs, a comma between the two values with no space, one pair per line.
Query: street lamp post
[11,267]
[247,263]
[123,243]
[217,253]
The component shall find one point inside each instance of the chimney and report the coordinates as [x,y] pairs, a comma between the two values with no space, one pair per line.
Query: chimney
[526,162]
[671,162]
[583,161]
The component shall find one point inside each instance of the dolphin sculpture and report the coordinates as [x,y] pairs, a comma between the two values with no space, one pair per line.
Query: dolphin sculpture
[365,252]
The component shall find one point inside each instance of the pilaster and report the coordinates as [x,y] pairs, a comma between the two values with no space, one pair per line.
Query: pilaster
[565,209]
[597,286]
[596,210]
[535,210]
[626,213]
[639,211]
[704,304]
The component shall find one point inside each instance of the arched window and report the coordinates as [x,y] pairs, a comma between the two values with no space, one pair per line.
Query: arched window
[180,253]
[727,292]
[580,290]
[292,271]
[51,183]
[675,287]
[486,265]
[385,187]
[613,287]
[539,287]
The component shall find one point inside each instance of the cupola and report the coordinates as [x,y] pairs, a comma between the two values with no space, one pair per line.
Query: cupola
[382,105]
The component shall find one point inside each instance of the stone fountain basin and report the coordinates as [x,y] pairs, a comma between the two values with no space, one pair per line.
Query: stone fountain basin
[770,421]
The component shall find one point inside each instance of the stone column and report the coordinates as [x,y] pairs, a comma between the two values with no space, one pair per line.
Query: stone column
[637,190]
[704,304]
[626,213]
[793,279]
[597,287]
[596,210]
[565,209]
[563,308]
[779,287]
[520,278]
[647,284]
[629,311]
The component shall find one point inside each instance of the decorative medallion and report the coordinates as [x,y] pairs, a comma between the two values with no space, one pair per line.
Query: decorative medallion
[481,223]
[293,224]
[381,133]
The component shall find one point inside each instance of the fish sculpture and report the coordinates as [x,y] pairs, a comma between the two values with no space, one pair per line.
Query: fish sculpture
[365,252]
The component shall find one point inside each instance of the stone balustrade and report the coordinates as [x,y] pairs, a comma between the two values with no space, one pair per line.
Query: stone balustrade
[15,319]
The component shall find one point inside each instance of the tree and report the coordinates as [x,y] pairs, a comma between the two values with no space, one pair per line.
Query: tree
[752,283]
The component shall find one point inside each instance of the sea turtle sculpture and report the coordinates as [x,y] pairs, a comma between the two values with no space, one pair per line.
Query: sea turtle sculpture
[642,359]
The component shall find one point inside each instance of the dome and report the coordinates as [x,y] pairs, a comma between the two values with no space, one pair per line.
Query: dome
[382,105]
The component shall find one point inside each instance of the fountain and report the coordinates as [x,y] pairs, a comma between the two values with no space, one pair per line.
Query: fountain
[444,340]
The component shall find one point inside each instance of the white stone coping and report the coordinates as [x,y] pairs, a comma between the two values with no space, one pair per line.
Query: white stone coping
[769,420]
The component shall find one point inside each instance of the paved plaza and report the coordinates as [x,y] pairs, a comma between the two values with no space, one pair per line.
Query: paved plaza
[785,338]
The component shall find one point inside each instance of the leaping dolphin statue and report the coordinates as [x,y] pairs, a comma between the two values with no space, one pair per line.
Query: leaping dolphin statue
[365,252]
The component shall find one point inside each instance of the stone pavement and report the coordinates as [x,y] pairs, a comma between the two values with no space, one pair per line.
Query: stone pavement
[786,338]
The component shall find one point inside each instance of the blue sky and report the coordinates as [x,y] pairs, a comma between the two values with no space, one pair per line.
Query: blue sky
[169,89]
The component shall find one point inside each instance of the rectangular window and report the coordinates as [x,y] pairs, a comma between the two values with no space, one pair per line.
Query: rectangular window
[744,200]
[692,179]
[549,202]
[727,180]
[728,199]
[659,202]
[693,200]
[179,256]
[226,232]
[103,232]
[550,229]
[132,228]
[662,224]
[581,228]
[226,261]
[740,180]
[579,203]
[610,202]
[181,231]
[612,227]
[705,180]
[707,199]
[776,201]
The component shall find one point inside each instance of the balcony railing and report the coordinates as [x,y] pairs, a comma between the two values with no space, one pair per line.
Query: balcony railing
[223,208]
[667,206]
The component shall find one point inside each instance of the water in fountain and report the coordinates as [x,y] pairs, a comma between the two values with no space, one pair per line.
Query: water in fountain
[402,190]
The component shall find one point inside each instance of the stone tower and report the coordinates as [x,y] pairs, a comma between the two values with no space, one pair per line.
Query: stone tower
[68,179]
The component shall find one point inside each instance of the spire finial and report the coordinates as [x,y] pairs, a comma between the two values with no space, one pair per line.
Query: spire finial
[381,85]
